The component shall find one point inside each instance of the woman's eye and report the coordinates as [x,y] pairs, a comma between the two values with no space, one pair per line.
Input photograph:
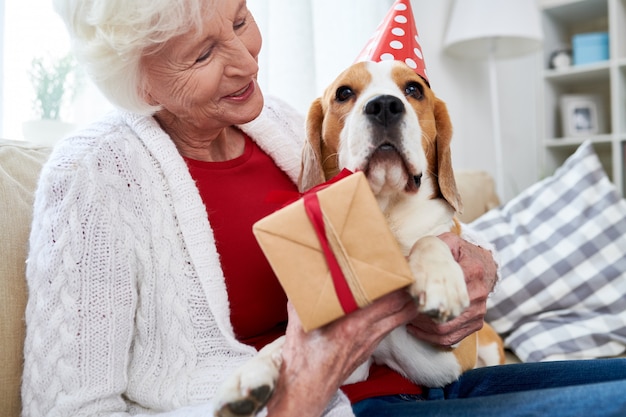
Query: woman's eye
[415,90]
[204,56]
[343,93]
[238,25]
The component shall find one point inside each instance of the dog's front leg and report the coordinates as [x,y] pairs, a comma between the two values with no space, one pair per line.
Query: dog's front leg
[247,391]
[439,286]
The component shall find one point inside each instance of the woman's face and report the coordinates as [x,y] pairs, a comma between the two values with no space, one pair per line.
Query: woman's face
[209,81]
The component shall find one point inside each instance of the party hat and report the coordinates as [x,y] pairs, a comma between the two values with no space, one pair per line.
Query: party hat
[396,38]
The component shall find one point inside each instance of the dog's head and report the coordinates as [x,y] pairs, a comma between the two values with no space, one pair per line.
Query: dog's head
[383,119]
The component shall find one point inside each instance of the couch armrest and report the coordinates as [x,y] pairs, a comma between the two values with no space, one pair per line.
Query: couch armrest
[478,194]
[20,164]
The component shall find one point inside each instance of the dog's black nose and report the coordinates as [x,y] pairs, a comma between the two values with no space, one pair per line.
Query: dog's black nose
[385,109]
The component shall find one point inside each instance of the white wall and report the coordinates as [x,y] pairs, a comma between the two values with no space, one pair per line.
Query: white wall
[308,42]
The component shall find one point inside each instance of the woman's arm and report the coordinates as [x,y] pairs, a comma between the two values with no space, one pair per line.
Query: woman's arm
[82,297]
[316,363]
[82,273]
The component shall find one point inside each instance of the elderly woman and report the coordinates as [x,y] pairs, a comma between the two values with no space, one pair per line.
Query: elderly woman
[146,286]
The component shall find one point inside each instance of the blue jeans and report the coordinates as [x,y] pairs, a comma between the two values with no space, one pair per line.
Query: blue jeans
[555,389]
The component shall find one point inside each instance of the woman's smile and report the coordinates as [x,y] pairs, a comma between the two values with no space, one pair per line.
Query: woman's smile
[244,93]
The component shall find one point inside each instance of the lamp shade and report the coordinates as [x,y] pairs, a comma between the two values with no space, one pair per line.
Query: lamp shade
[510,27]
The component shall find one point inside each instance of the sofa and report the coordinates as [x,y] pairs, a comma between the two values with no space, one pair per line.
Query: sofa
[20,163]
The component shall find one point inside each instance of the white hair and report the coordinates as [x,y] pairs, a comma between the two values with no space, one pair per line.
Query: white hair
[109,38]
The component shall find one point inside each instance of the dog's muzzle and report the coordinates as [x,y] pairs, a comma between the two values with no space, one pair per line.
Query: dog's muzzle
[384,110]
[385,114]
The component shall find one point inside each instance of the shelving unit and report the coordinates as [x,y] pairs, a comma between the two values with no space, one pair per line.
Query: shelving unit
[561,20]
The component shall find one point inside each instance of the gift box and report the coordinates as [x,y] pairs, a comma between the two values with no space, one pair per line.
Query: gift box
[590,47]
[333,251]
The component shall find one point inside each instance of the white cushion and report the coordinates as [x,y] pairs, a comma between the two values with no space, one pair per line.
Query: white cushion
[562,247]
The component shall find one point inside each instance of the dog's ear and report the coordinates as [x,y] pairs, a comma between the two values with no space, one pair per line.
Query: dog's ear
[312,172]
[445,173]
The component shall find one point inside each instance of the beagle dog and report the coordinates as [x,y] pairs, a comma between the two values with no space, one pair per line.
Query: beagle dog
[383,119]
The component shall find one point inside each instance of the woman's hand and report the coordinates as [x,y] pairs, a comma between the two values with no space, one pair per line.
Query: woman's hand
[480,275]
[316,363]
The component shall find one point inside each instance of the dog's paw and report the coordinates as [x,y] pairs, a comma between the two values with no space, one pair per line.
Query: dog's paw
[247,391]
[248,404]
[439,288]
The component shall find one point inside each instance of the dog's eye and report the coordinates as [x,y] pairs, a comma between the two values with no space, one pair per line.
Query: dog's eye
[343,93]
[415,90]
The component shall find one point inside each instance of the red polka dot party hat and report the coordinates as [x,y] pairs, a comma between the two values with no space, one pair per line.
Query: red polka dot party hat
[396,38]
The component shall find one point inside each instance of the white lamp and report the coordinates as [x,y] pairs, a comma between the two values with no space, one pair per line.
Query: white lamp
[492,29]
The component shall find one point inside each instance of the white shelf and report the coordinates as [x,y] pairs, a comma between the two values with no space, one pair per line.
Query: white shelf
[589,72]
[561,20]
[569,141]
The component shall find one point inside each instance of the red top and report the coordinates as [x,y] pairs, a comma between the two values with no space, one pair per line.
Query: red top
[380,382]
[235,195]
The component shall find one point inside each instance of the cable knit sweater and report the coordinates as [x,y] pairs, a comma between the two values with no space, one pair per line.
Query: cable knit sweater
[128,312]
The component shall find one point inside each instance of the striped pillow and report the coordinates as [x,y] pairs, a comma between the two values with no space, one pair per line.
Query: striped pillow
[562,247]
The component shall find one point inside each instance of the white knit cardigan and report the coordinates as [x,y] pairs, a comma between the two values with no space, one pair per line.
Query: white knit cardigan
[128,311]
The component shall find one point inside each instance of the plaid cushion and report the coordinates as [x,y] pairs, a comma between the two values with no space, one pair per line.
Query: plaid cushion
[562,247]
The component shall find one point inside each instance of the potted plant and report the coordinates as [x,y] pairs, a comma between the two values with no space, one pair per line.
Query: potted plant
[55,82]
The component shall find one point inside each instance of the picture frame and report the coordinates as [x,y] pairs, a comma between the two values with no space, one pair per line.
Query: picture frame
[582,115]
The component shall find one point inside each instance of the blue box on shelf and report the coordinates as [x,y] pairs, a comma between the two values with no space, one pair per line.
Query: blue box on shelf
[590,47]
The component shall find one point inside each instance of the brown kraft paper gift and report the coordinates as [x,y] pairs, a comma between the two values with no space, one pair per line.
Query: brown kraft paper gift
[368,260]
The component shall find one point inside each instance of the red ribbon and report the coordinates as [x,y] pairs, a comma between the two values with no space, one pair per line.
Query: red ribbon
[342,289]
[314,212]
[287,197]
[341,175]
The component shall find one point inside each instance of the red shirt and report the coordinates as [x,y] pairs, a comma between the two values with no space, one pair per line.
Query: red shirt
[235,195]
